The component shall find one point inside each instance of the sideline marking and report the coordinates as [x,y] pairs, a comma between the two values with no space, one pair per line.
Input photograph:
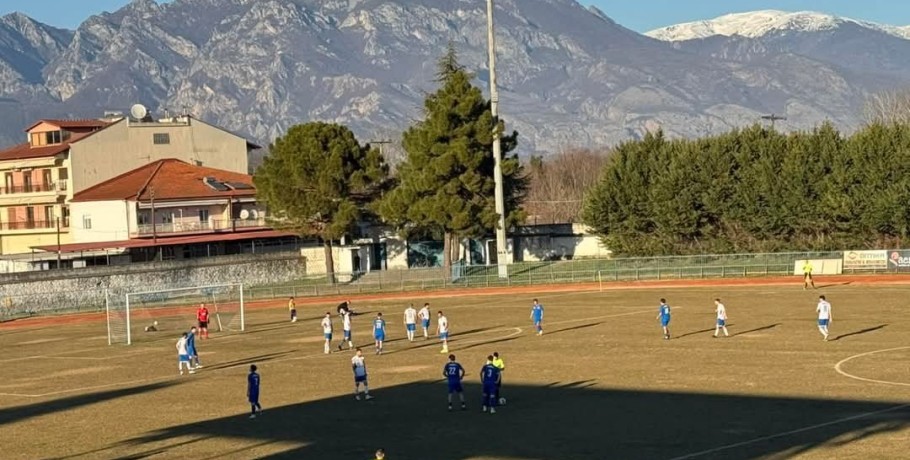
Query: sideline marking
[837,367]
[791,432]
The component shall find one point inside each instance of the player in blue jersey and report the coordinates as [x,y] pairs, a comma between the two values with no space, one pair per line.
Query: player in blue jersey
[537,316]
[358,363]
[252,391]
[489,377]
[379,332]
[191,349]
[664,316]
[454,374]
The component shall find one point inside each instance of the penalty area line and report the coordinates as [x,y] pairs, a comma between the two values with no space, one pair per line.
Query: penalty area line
[791,432]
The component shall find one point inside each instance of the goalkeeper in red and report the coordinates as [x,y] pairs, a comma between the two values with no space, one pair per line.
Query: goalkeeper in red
[202,316]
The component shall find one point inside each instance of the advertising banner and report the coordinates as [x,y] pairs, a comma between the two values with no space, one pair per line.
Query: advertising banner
[899,261]
[866,260]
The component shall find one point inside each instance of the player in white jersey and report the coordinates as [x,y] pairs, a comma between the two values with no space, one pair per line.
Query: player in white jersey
[824,315]
[721,311]
[327,332]
[183,355]
[346,328]
[410,321]
[424,315]
[442,328]
[358,363]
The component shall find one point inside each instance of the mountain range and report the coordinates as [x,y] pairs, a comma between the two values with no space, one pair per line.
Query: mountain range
[569,75]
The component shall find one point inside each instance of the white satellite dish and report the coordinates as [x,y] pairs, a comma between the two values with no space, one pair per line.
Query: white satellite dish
[245,214]
[138,111]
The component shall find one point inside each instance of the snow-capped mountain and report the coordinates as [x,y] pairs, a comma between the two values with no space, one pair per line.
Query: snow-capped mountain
[757,24]
[569,75]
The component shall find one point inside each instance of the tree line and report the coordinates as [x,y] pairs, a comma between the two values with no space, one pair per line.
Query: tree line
[756,190]
[319,180]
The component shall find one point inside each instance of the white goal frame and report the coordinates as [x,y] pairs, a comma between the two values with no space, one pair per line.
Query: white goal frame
[108,295]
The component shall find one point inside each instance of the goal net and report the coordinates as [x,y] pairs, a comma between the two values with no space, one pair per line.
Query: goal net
[144,315]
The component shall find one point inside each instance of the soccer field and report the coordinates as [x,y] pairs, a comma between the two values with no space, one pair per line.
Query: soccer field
[601,383]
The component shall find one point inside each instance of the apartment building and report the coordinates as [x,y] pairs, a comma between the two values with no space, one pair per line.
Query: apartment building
[63,157]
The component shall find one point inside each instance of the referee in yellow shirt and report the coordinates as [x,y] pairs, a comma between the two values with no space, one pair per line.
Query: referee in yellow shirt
[292,307]
[501,365]
[807,275]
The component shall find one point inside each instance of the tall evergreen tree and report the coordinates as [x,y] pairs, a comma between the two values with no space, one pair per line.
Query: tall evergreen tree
[319,181]
[445,185]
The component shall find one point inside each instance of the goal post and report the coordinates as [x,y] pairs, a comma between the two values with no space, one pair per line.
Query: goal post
[133,316]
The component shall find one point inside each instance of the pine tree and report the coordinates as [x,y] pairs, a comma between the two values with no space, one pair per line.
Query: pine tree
[319,181]
[445,185]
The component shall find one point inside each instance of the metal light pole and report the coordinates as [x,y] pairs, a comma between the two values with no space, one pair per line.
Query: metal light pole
[501,251]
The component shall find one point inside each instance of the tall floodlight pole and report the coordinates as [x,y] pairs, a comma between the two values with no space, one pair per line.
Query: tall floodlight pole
[501,251]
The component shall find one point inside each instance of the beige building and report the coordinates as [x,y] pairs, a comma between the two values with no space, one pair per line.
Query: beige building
[63,157]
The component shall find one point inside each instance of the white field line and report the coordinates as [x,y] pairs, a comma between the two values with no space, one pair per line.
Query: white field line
[790,433]
[839,368]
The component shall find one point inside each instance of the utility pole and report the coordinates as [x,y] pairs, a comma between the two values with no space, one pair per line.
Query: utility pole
[58,243]
[501,251]
[380,143]
[772,118]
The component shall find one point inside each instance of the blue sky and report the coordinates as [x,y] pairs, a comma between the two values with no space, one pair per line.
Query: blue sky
[635,14]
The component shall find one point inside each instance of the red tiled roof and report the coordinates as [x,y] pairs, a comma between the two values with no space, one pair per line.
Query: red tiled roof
[71,124]
[147,242]
[25,150]
[170,179]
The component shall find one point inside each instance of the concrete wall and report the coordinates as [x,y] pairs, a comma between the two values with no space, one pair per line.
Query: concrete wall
[126,145]
[21,242]
[84,288]
[343,257]
[110,221]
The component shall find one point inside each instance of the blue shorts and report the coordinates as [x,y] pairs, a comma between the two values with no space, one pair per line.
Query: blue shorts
[489,389]
[443,336]
[721,322]
[411,327]
[665,321]
[191,352]
[537,321]
[360,378]
[823,322]
[426,323]
[347,335]
[455,387]
[328,336]
[253,398]
[183,358]
[379,336]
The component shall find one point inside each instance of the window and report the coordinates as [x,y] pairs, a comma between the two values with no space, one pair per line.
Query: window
[63,174]
[27,181]
[203,215]
[46,178]
[8,181]
[53,137]
[49,214]
[87,221]
[167,218]
[142,218]
[30,214]
[65,213]
[161,138]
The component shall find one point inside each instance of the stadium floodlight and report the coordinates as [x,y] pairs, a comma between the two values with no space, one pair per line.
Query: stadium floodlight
[501,250]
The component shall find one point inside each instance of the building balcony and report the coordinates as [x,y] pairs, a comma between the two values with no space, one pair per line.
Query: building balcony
[194,227]
[21,193]
[33,226]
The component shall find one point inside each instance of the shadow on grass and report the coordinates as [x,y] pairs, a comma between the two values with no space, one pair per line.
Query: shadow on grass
[703,331]
[25,412]
[562,420]
[860,332]
[758,329]
[570,329]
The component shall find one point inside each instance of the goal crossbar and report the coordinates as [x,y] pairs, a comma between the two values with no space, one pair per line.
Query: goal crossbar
[123,308]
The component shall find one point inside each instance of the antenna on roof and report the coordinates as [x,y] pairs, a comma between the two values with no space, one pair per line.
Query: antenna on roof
[138,111]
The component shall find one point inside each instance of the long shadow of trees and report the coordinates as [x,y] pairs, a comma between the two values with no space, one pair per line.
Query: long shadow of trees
[562,420]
